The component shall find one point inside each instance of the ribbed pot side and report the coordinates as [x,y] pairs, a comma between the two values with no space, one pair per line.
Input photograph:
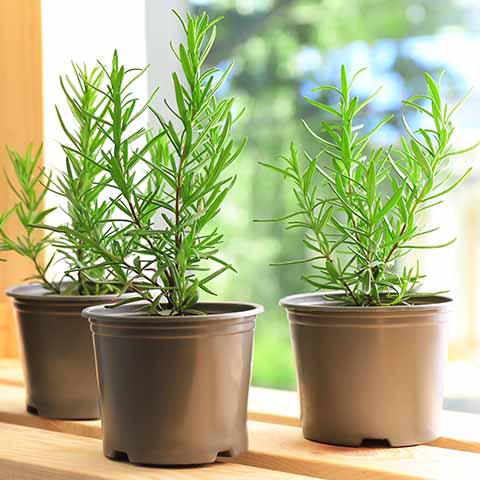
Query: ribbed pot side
[174,390]
[369,373]
[57,352]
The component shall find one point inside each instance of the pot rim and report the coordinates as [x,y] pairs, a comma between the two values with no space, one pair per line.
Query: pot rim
[121,314]
[316,302]
[35,291]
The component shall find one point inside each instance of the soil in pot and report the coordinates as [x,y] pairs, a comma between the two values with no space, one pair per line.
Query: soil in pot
[57,352]
[174,390]
[369,373]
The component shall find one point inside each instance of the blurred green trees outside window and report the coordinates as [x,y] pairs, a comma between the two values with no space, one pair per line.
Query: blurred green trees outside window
[282,49]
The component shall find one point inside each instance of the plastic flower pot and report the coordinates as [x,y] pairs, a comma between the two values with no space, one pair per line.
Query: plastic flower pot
[173,390]
[369,373]
[57,352]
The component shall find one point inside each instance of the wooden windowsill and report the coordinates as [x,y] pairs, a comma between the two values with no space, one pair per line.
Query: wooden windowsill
[36,448]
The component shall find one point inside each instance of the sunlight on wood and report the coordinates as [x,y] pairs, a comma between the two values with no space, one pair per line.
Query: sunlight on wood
[276,442]
[21,123]
[28,453]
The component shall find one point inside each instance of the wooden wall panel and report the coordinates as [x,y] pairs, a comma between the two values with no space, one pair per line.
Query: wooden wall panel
[21,122]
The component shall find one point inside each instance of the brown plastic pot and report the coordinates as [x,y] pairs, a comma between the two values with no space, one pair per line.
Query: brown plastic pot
[57,352]
[174,390]
[369,373]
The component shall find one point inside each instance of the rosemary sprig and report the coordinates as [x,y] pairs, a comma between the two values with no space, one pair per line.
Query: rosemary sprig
[31,186]
[82,183]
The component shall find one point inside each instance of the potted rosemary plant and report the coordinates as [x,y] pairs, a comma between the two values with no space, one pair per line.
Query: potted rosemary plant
[370,351]
[55,340]
[173,372]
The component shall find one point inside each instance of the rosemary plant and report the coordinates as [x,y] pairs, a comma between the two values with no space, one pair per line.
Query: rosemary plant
[30,188]
[82,184]
[363,213]
[162,240]
[81,187]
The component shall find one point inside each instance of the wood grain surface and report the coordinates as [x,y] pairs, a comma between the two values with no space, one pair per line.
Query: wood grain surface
[283,448]
[31,454]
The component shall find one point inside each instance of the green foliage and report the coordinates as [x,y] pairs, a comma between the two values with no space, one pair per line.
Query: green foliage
[82,184]
[162,240]
[81,187]
[31,186]
[364,213]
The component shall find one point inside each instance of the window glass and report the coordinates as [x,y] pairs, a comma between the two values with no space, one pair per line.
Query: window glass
[282,50]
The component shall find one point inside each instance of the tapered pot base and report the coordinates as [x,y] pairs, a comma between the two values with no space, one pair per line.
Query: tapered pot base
[378,441]
[65,412]
[162,456]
